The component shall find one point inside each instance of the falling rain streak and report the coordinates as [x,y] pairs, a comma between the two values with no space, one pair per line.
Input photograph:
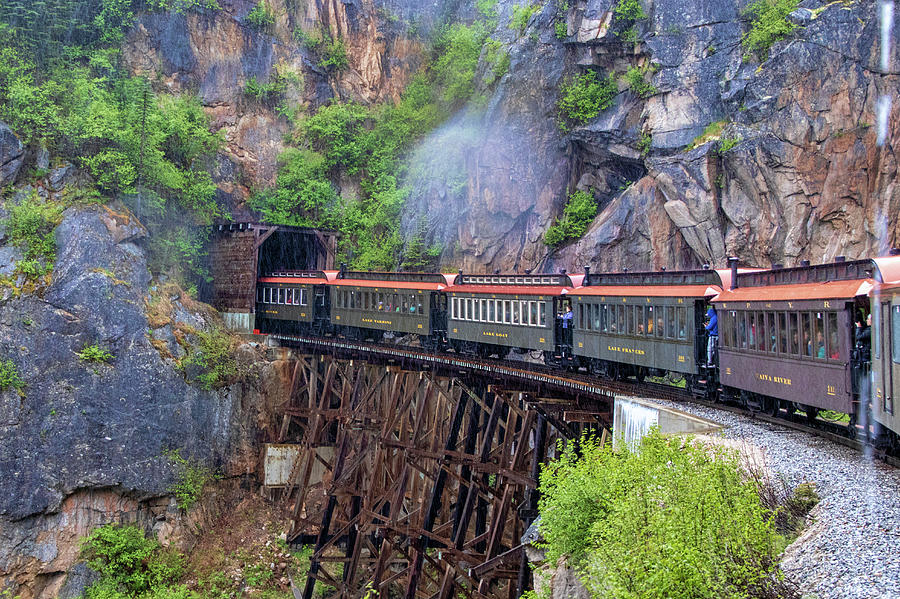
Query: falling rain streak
[884,102]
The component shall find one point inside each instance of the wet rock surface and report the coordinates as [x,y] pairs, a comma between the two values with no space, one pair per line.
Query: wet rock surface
[12,154]
[83,443]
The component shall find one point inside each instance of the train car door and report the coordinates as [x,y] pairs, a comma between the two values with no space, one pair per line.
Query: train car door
[885,339]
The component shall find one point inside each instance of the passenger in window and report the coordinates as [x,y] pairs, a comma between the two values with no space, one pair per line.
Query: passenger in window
[835,350]
[820,345]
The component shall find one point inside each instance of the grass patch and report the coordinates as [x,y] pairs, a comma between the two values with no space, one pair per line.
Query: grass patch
[94,353]
[210,363]
[712,132]
[30,227]
[521,15]
[190,480]
[9,376]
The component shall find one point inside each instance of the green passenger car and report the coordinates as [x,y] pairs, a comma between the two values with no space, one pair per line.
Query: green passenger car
[365,303]
[490,313]
[288,298]
[643,322]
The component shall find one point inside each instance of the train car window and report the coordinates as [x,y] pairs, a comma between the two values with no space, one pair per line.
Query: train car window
[670,322]
[793,338]
[833,347]
[751,330]
[819,347]
[629,320]
[515,313]
[769,338]
[729,321]
[594,315]
[491,310]
[506,312]
[304,297]
[895,334]
[660,326]
[533,309]
[454,306]
[404,303]
[805,337]
[782,333]
[742,329]
[616,316]
[681,321]
[639,319]
[581,320]
[419,304]
[602,317]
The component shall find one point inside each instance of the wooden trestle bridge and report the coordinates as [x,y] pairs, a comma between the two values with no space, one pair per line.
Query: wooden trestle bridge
[430,466]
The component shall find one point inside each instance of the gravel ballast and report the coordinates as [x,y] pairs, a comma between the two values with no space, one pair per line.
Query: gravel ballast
[852,548]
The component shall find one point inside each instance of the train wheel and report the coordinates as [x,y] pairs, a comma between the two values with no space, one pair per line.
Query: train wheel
[640,373]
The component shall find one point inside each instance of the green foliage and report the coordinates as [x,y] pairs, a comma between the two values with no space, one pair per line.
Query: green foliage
[128,561]
[9,376]
[644,143]
[629,10]
[711,132]
[768,24]
[670,520]
[190,480]
[211,363]
[496,61]
[456,52]
[521,15]
[31,227]
[583,97]
[636,82]
[561,30]
[580,210]
[94,353]
[261,17]
[334,55]
[368,143]
[726,143]
[487,8]
[418,257]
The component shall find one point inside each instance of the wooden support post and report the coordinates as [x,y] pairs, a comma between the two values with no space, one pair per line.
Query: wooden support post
[539,452]
[434,503]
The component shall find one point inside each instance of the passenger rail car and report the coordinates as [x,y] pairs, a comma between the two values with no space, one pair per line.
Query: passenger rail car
[787,336]
[289,300]
[885,356]
[490,314]
[634,324]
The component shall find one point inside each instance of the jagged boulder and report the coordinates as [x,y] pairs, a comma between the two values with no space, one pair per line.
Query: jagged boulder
[12,154]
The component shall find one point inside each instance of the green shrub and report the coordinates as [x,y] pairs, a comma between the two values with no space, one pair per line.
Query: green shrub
[128,561]
[261,17]
[636,82]
[629,10]
[456,52]
[496,61]
[94,353]
[561,29]
[31,227]
[9,376]
[644,143]
[190,480]
[768,24]
[669,520]
[583,97]
[726,143]
[334,54]
[521,15]
[487,8]
[579,213]
[212,359]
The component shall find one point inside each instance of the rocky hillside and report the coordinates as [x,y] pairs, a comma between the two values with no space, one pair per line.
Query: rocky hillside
[802,177]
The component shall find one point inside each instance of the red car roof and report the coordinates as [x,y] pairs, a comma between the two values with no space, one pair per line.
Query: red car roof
[798,292]
[648,290]
[550,290]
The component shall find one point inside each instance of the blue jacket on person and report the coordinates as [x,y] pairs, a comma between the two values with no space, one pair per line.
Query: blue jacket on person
[713,326]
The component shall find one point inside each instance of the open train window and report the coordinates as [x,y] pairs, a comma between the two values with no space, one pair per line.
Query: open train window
[742,329]
[670,322]
[782,335]
[805,334]
[832,347]
[895,333]
[681,322]
[543,312]
[819,350]
[533,308]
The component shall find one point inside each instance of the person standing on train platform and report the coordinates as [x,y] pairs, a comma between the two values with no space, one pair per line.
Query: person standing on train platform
[566,317]
[712,331]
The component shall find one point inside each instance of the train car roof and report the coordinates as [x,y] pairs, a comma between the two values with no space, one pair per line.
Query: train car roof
[516,284]
[392,280]
[676,283]
[308,277]
[836,280]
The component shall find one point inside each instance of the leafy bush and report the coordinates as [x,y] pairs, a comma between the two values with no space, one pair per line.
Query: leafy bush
[31,227]
[303,195]
[644,143]
[584,97]
[670,520]
[261,17]
[561,29]
[768,24]
[487,8]
[635,79]
[334,54]
[629,10]
[212,360]
[580,210]
[190,480]
[128,561]
[496,61]
[521,15]
[9,376]
[94,353]
[456,53]
[726,143]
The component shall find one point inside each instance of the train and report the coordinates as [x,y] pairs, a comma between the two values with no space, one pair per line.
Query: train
[790,339]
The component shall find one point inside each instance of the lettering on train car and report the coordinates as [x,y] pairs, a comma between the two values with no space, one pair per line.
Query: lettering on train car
[780,380]
[493,334]
[376,321]
[626,350]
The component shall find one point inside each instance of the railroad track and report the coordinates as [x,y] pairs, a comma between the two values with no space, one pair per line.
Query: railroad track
[539,377]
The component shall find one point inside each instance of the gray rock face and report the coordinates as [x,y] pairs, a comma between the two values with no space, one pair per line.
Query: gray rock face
[12,154]
[84,444]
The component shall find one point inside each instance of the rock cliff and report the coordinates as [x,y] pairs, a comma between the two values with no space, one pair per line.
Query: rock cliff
[84,443]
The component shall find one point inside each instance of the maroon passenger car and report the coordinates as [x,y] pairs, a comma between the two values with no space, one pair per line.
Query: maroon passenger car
[786,335]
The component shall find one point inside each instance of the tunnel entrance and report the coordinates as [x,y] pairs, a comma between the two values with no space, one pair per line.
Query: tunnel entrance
[239,253]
